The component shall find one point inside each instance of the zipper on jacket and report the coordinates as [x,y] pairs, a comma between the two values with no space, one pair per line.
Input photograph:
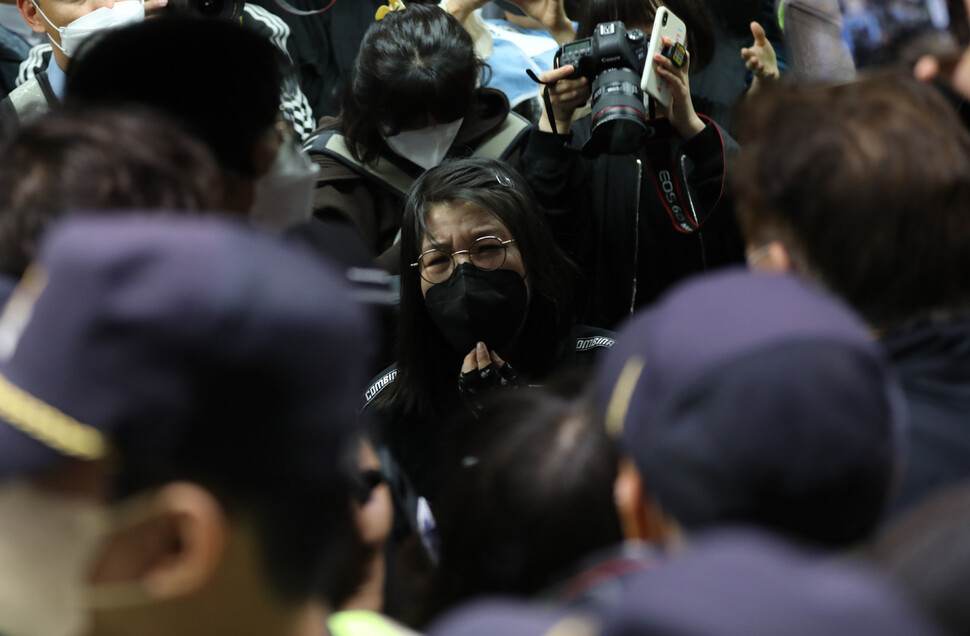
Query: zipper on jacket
[693,214]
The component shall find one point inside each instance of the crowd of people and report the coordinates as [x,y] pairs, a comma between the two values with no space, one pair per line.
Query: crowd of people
[343,323]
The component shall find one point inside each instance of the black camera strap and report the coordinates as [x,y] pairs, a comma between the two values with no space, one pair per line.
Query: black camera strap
[545,99]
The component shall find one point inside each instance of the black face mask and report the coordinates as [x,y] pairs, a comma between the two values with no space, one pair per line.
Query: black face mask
[475,306]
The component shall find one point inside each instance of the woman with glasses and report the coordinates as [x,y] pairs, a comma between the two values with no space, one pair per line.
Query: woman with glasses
[486,302]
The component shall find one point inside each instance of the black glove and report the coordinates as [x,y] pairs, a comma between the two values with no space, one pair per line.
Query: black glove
[472,385]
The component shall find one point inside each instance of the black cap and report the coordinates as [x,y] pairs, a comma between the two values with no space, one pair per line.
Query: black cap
[755,398]
[161,337]
[738,583]
[733,582]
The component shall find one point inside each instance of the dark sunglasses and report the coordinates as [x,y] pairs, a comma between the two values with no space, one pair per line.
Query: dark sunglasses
[365,483]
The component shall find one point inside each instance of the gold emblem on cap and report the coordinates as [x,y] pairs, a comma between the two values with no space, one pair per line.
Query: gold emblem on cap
[622,394]
[573,626]
[48,425]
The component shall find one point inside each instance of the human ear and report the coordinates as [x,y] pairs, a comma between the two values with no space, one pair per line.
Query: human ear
[641,518]
[173,550]
[32,16]
[626,495]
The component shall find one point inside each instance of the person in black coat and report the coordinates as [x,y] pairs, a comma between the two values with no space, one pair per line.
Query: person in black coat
[640,221]
[864,189]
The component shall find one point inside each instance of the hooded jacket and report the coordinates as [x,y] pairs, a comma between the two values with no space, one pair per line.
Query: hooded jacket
[348,191]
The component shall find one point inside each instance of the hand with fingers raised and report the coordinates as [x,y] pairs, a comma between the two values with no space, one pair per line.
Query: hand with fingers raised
[483,371]
[760,58]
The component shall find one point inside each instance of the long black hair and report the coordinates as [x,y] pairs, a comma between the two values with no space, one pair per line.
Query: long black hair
[415,67]
[426,362]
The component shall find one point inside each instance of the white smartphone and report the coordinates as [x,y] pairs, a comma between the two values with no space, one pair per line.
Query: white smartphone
[665,25]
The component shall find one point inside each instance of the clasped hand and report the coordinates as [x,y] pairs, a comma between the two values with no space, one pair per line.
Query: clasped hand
[482,371]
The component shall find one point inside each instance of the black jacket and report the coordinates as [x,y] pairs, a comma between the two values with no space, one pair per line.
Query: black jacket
[610,214]
[420,451]
[933,365]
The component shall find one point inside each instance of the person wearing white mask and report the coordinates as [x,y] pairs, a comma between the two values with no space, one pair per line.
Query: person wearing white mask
[67,25]
[414,100]
[295,105]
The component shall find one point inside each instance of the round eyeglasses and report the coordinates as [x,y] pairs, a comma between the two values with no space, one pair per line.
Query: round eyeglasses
[487,253]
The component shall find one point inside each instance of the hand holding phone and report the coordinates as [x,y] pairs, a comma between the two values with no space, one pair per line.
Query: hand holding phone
[669,26]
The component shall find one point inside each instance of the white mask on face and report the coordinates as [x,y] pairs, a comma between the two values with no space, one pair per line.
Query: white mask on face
[284,196]
[47,542]
[426,146]
[72,35]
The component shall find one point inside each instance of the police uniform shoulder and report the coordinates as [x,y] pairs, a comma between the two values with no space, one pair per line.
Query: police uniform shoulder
[379,383]
[587,338]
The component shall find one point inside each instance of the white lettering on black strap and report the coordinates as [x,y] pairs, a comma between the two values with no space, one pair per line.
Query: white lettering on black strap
[378,386]
[667,188]
[583,344]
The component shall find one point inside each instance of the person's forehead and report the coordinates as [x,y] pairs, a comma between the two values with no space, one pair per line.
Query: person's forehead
[460,220]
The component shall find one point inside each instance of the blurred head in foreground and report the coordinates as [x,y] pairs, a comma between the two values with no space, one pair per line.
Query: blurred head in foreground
[174,422]
[750,399]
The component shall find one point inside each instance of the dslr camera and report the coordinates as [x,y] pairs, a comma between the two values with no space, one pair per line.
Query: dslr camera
[612,59]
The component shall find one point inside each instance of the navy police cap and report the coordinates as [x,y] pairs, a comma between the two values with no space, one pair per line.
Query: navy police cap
[146,335]
[756,398]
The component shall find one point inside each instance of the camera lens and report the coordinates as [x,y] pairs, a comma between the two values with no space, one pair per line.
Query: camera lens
[619,123]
